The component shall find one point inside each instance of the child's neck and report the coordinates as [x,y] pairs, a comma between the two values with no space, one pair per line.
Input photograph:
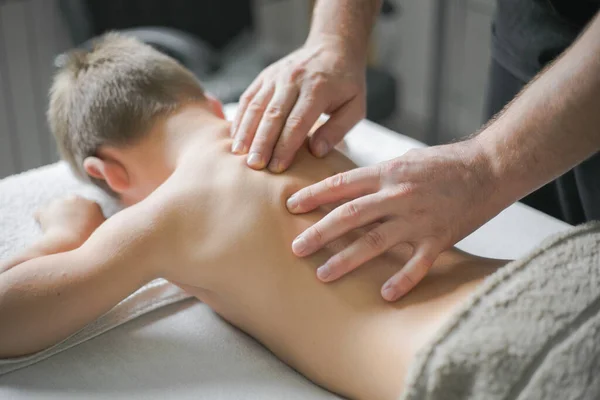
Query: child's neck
[192,125]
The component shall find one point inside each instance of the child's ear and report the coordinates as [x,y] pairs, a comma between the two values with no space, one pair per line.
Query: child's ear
[109,170]
[215,105]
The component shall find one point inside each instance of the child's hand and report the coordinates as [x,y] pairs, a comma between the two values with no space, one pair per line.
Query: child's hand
[71,217]
[67,223]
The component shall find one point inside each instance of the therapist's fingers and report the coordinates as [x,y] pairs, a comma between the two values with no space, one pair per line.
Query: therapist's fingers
[303,116]
[372,244]
[252,116]
[412,273]
[271,124]
[345,185]
[349,216]
[245,99]
[338,124]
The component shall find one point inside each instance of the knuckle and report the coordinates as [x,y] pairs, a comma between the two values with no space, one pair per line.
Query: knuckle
[246,98]
[274,112]
[283,150]
[336,181]
[287,145]
[312,96]
[305,198]
[256,107]
[260,141]
[350,211]
[318,77]
[306,194]
[339,263]
[380,173]
[375,240]
[405,281]
[401,191]
[374,171]
[424,262]
[310,99]
[316,233]
[318,83]
[294,123]
[297,72]
[392,166]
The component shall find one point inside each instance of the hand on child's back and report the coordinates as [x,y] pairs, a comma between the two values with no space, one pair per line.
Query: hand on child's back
[72,216]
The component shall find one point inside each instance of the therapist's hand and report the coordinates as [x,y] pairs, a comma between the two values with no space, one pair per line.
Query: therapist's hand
[279,108]
[428,198]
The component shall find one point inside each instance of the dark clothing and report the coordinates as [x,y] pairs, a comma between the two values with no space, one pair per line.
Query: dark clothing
[526,36]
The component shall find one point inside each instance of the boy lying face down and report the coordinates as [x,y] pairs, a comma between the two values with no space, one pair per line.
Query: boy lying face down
[139,125]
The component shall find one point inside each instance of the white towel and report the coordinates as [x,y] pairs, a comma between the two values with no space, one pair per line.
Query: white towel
[20,196]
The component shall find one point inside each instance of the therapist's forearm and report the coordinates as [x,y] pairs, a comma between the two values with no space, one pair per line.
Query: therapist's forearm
[349,21]
[553,125]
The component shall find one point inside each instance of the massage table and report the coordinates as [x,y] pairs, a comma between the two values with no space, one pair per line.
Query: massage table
[183,350]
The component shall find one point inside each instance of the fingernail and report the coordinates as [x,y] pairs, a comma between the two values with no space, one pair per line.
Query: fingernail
[323,272]
[238,147]
[276,166]
[321,148]
[388,292]
[292,203]
[299,245]
[255,160]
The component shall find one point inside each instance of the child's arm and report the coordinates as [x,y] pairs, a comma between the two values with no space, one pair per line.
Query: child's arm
[66,223]
[46,298]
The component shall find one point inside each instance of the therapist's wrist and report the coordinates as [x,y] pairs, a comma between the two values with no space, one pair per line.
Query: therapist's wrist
[496,171]
[348,48]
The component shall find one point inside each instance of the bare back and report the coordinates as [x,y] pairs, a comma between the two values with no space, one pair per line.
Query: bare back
[234,234]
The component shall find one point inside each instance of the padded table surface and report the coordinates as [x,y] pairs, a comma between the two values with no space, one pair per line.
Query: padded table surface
[185,351]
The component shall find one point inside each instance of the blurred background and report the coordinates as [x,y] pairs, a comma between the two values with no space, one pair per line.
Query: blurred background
[427,74]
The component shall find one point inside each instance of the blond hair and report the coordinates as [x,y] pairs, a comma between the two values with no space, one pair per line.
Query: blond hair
[111,95]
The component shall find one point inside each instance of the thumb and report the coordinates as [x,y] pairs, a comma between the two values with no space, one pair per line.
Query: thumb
[336,127]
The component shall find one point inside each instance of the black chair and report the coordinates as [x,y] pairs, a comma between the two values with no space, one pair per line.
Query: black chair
[205,36]
[211,38]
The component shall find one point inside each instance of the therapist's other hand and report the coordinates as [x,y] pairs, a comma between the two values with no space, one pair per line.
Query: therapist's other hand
[280,107]
[428,198]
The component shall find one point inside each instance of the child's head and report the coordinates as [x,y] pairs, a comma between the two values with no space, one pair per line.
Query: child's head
[110,97]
